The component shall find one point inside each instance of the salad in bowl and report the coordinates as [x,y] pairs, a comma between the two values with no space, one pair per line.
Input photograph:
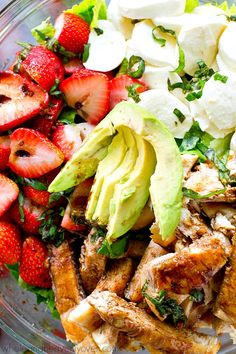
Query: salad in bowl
[118,173]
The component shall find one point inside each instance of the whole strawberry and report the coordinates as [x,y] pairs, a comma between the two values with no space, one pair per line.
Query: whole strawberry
[72,32]
[10,243]
[32,266]
[43,66]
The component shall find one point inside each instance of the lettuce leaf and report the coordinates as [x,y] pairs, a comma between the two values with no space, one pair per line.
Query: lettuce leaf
[91,11]
[43,32]
[229,9]
[190,5]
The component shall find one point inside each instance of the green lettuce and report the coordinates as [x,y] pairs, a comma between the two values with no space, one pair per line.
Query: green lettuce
[190,5]
[43,32]
[91,11]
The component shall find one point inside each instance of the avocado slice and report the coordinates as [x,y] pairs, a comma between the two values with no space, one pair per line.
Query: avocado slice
[115,155]
[167,180]
[131,195]
[102,212]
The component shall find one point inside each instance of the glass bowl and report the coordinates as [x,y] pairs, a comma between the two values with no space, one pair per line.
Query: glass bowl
[30,324]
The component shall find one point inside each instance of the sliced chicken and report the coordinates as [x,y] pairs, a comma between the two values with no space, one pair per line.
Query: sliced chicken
[225,306]
[128,318]
[188,162]
[87,346]
[106,338]
[66,283]
[205,180]
[92,264]
[127,343]
[133,291]
[136,249]
[83,316]
[188,269]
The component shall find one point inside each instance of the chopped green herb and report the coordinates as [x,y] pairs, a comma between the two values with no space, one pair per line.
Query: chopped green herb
[136,67]
[54,89]
[35,184]
[115,249]
[99,31]
[219,77]
[21,204]
[191,138]
[53,45]
[124,67]
[132,92]
[224,173]
[231,18]
[181,117]
[196,295]
[43,32]
[194,195]
[49,229]
[166,306]
[159,40]
[97,232]
[86,52]
[68,116]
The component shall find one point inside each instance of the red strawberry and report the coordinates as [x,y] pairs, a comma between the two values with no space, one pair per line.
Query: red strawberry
[20,100]
[32,154]
[32,212]
[73,65]
[72,32]
[69,224]
[33,263]
[88,92]
[37,196]
[43,66]
[10,243]
[68,138]
[8,193]
[47,118]
[4,272]
[4,151]
[118,88]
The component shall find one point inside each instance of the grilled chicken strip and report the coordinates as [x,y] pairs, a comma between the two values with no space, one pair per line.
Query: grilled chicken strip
[87,346]
[188,269]
[65,279]
[128,318]
[92,264]
[225,306]
[83,317]
[133,291]
[188,162]
[106,337]
[136,249]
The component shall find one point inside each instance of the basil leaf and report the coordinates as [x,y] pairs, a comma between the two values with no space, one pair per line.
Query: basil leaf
[190,5]
[181,117]
[136,67]
[124,67]
[194,195]
[43,32]
[86,52]
[54,89]
[191,138]
[219,77]
[68,116]
[132,92]
[34,183]
[115,249]
[196,295]
[21,205]
[99,31]
[159,40]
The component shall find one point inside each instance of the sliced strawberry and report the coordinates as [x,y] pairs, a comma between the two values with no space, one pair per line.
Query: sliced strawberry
[88,92]
[37,196]
[10,243]
[73,65]
[110,75]
[68,138]
[4,151]
[20,100]
[72,32]
[119,91]
[49,177]
[29,221]
[33,268]
[43,66]
[8,193]
[73,222]
[32,154]
[47,118]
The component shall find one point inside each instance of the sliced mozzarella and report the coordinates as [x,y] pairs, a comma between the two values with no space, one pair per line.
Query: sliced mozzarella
[227,49]
[140,9]
[200,115]
[200,41]
[175,23]
[219,100]
[162,104]
[157,78]
[107,50]
[121,23]
[208,10]
[150,50]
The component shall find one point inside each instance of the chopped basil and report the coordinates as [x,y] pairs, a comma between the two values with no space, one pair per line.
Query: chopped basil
[191,138]
[136,67]
[132,92]
[97,233]
[231,18]
[159,40]
[86,52]
[194,195]
[166,30]
[181,117]
[68,116]
[219,77]
[194,96]
[21,204]
[54,91]
[124,66]
[49,229]
[99,31]
[115,249]
[166,306]
[196,295]
[35,184]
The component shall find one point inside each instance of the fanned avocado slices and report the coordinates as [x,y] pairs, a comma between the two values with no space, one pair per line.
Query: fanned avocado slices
[167,179]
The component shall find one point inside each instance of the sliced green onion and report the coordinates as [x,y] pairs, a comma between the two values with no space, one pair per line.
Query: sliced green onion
[181,117]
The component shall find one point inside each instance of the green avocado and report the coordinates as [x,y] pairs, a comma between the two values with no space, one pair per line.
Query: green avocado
[167,179]
[115,155]
[132,194]
[102,212]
